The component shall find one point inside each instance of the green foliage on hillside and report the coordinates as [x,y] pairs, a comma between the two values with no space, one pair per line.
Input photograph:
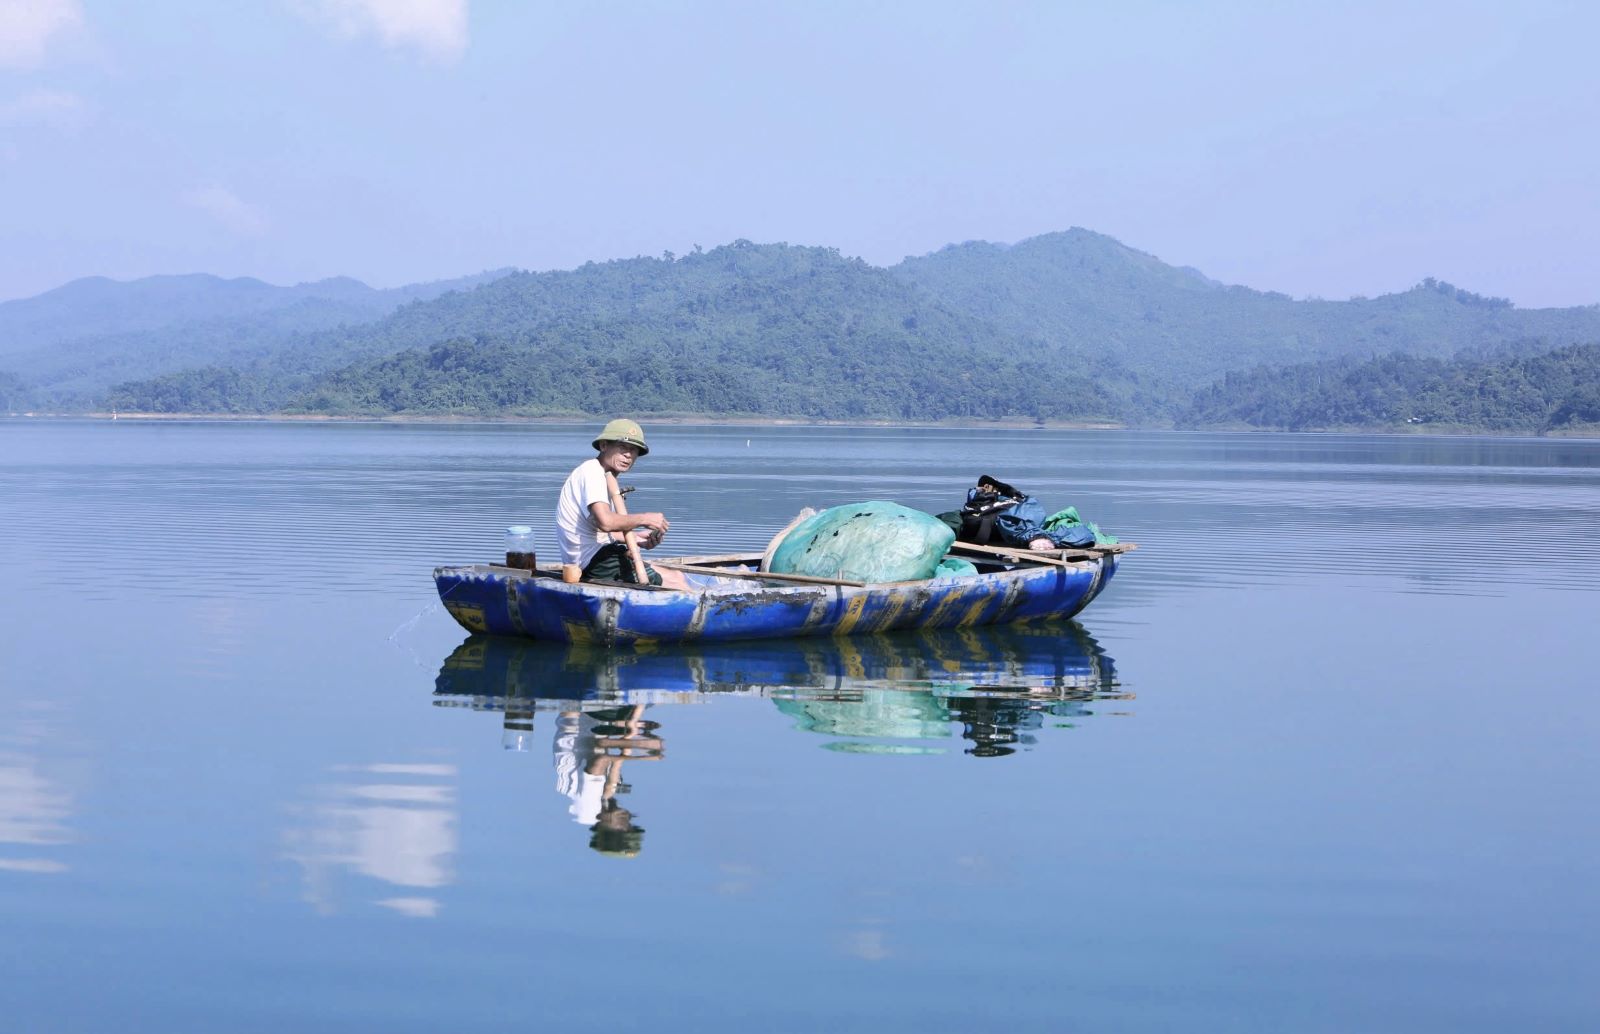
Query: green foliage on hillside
[482,377]
[15,395]
[1557,390]
[209,389]
[79,371]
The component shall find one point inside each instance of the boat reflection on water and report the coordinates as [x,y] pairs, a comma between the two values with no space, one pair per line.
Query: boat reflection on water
[905,693]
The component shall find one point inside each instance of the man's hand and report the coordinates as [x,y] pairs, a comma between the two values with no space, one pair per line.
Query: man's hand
[651,521]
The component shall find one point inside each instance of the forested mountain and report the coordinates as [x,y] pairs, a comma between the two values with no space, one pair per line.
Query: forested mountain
[81,338]
[1095,296]
[743,329]
[1068,326]
[1558,390]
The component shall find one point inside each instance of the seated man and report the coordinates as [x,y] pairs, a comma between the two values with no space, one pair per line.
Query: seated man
[591,531]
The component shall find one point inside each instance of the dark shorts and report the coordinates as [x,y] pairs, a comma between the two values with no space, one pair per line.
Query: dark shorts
[612,564]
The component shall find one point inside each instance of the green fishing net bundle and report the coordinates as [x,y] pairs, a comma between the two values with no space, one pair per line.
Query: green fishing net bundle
[864,542]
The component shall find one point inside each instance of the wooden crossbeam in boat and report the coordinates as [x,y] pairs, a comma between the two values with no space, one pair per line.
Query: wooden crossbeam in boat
[718,558]
[1120,547]
[722,572]
[1017,555]
[1043,556]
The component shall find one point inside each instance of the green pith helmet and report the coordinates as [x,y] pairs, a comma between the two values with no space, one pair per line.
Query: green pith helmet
[624,431]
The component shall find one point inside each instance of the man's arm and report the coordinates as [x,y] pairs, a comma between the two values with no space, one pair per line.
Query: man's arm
[610,521]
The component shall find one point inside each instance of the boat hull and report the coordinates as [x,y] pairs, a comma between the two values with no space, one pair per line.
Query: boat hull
[505,601]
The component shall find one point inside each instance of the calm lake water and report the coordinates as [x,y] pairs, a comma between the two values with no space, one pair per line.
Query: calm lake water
[1323,757]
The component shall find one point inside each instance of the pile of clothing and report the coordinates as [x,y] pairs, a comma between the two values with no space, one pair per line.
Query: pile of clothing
[997,513]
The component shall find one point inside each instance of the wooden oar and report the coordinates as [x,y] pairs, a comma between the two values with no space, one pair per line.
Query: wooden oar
[628,540]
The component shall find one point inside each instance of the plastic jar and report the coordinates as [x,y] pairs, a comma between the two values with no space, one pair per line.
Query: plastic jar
[519,547]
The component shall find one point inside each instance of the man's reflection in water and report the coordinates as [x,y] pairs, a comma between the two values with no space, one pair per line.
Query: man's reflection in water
[590,748]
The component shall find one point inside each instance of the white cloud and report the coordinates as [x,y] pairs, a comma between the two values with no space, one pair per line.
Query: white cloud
[437,29]
[26,27]
[31,865]
[53,108]
[416,908]
[225,207]
[867,944]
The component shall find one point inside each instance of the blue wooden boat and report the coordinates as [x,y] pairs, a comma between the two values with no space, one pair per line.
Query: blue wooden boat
[736,601]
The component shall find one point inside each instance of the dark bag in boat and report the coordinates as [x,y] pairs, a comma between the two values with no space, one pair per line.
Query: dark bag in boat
[988,500]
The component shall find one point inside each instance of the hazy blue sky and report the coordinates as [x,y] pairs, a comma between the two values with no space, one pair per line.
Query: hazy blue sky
[1316,149]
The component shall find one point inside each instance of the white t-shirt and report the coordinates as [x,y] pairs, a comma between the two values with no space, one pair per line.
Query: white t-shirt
[580,537]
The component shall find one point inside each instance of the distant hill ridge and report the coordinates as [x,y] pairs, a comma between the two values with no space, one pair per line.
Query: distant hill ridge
[1089,294]
[98,305]
[90,333]
[1065,326]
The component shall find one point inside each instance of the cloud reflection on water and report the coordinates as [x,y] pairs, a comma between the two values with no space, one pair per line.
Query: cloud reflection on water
[392,822]
[34,807]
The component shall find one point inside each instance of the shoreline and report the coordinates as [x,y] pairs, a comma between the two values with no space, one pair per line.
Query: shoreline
[1590,433]
[673,419]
